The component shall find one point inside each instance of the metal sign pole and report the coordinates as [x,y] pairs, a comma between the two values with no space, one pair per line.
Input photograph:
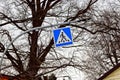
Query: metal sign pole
[37,28]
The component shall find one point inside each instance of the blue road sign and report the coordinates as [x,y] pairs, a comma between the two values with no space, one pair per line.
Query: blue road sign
[62,37]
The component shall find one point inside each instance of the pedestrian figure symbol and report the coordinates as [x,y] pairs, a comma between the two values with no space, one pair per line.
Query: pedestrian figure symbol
[62,36]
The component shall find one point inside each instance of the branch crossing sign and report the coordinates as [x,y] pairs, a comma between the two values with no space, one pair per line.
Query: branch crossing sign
[62,37]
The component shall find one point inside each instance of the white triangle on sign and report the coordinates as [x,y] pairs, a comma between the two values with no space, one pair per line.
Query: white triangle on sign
[63,38]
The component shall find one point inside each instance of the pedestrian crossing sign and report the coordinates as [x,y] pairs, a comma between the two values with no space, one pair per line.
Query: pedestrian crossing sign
[62,37]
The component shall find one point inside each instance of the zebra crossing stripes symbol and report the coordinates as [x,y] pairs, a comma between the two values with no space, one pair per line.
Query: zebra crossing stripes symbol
[62,36]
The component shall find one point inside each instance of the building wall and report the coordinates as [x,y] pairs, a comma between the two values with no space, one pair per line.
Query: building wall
[115,75]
